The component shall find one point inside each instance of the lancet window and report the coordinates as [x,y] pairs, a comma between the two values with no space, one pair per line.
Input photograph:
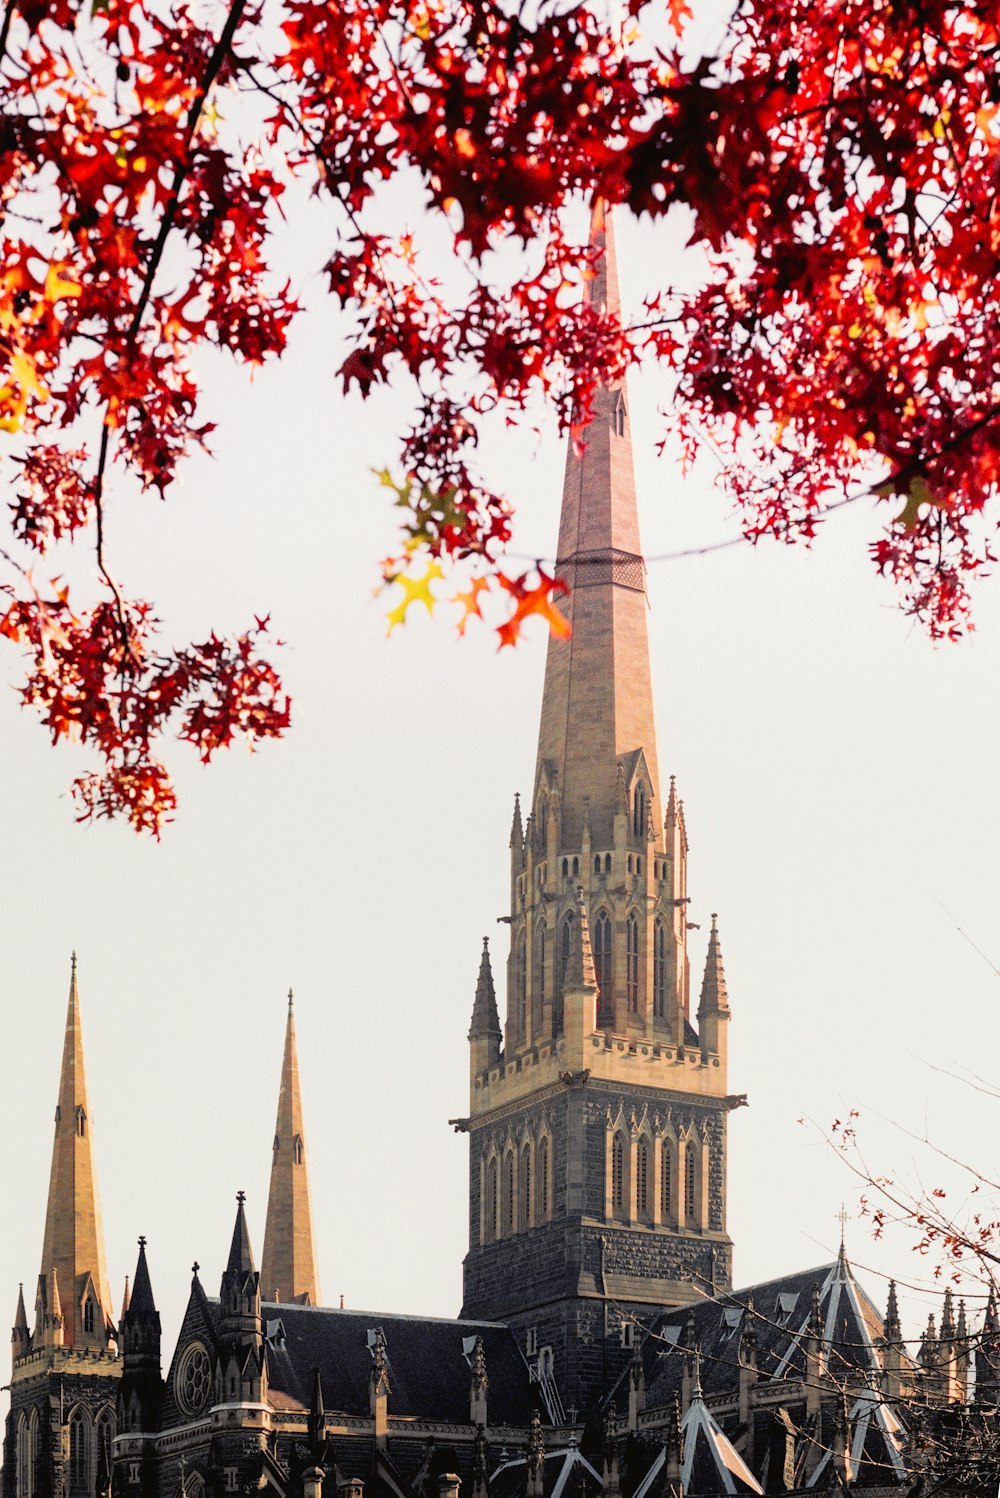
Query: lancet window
[667,1182]
[632,962]
[690,1181]
[524,1190]
[492,1204]
[79,1454]
[642,1202]
[508,1192]
[603,954]
[619,1176]
[639,811]
[542,1204]
[659,970]
[538,971]
[520,985]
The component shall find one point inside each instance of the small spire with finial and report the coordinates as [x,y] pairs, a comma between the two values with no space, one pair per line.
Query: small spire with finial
[291,997]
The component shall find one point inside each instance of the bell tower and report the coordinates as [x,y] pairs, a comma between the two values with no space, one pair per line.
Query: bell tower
[597,1188]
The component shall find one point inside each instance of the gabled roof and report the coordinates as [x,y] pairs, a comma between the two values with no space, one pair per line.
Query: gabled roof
[566,1473]
[429,1371]
[711,1465]
[778,1312]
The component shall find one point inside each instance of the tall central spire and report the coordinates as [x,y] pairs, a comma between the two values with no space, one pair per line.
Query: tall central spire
[288,1269]
[598,700]
[73,1245]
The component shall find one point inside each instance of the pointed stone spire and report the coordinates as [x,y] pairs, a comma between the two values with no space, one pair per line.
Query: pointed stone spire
[140,1337]
[947,1333]
[485,1016]
[714,999]
[288,1268]
[125,1301]
[240,1261]
[20,1337]
[73,1243]
[598,701]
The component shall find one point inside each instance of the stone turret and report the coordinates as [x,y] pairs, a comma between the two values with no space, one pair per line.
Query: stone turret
[713,1008]
[242,1376]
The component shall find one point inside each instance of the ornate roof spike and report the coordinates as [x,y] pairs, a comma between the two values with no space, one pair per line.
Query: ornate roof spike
[947,1316]
[962,1329]
[480,1377]
[816,1328]
[696,1392]
[890,1326]
[516,828]
[536,1445]
[714,998]
[990,1323]
[380,1362]
[671,813]
[125,1299]
[20,1336]
[485,1016]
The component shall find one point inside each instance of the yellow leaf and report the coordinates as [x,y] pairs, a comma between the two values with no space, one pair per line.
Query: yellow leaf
[415,590]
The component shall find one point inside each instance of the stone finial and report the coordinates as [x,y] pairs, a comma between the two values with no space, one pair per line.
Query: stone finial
[380,1362]
[516,826]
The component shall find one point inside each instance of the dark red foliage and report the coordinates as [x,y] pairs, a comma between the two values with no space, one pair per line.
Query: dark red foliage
[841,165]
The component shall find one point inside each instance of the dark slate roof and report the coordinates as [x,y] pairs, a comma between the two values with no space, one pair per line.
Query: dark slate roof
[429,1375]
[711,1464]
[777,1312]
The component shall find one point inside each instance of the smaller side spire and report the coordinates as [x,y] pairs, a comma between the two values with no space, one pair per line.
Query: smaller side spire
[20,1337]
[240,1252]
[891,1325]
[516,826]
[125,1301]
[713,1009]
[485,1034]
[141,1388]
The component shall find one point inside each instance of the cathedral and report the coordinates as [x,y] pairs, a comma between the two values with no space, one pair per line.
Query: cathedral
[601,1348]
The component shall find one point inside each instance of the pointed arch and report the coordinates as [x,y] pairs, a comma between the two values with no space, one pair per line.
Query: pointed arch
[491,1199]
[508,1193]
[524,1180]
[639,810]
[603,956]
[644,1179]
[538,971]
[659,968]
[632,962]
[25,1466]
[562,961]
[543,1177]
[80,1453]
[619,1175]
[520,983]
[666,1182]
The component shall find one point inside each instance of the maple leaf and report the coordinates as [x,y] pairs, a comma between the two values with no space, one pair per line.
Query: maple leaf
[536,600]
[415,590]
[470,600]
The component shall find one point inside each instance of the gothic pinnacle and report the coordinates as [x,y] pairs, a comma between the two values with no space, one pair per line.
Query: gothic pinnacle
[516,828]
[714,998]
[485,1017]
[580,974]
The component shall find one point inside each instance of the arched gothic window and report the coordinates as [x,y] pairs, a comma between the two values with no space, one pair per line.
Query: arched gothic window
[520,985]
[79,1454]
[542,1204]
[690,1192]
[25,1471]
[607,863]
[297,1153]
[602,955]
[659,970]
[538,971]
[639,811]
[88,1315]
[597,863]
[565,940]
[492,1203]
[619,1177]
[524,1190]
[667,1182]
[105,1435]
[642,1211]
[508,1192]
[632,962]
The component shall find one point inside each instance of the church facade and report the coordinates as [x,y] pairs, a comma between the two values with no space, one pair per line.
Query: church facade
[601,1347]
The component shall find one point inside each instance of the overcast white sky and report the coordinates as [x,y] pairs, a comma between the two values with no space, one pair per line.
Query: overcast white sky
[840,777]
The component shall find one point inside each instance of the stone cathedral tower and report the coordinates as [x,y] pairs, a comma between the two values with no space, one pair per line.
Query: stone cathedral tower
[598,1115]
